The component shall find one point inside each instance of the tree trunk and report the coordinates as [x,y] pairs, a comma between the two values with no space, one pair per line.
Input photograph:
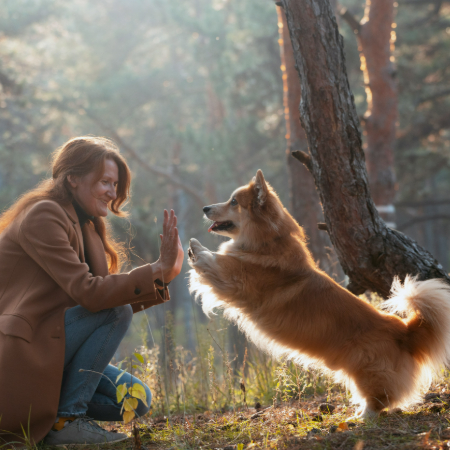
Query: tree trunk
[370,253]
[376,39]
[304,201]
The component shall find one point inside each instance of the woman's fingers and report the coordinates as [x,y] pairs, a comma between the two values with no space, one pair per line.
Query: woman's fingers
[170,221]
[165,222]
[171,252]
[170,242]
[173,219]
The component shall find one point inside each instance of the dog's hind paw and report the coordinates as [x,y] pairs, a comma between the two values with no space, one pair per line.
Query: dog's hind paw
[368,414]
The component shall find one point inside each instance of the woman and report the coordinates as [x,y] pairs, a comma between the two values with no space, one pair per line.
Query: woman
[64,306]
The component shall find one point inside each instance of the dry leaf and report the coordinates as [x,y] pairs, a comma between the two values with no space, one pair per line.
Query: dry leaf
[426,438]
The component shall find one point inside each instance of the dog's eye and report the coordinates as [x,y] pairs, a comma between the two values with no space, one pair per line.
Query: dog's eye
[233,202]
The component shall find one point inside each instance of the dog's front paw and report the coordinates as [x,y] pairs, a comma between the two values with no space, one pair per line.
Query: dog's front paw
[194,249]
[200,257]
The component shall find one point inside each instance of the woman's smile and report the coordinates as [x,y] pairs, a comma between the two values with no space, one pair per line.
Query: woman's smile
[93,195]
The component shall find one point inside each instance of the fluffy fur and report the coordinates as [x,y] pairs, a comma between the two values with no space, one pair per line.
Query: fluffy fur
[266,281]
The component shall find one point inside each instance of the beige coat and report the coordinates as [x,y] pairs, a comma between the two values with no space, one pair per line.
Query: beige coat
[42,274]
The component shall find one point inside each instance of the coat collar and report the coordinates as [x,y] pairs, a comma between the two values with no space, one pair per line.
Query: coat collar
[70,211]
[95,252]
[72,215]
[90,244]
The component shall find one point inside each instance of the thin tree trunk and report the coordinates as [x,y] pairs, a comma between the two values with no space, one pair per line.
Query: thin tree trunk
[370,253]
[376,39]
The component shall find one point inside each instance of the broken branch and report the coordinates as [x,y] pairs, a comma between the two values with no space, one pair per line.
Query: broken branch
[304,158]
[351,20]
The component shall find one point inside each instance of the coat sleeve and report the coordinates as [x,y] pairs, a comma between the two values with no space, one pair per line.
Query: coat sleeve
[140,305]
[44,236]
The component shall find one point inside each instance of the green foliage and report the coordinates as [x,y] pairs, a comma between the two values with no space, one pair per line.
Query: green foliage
[209,380]
[292,420]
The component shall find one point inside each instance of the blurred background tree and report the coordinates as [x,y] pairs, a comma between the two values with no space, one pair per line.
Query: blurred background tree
[192,91]
[376,36]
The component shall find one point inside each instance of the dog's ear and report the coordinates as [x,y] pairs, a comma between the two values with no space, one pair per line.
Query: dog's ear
[261,188]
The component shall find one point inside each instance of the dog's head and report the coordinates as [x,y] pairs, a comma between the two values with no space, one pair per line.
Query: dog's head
[252,210]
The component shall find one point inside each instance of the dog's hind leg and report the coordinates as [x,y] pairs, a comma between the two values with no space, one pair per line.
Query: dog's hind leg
[368,413]
[378,390]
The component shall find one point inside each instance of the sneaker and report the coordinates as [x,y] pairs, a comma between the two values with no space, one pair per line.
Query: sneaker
[82,431]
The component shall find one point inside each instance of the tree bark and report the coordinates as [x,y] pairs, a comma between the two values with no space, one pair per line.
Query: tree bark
[370,253]
[304,201]
[376,41]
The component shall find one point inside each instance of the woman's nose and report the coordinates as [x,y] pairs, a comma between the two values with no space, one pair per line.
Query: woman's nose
[112,193]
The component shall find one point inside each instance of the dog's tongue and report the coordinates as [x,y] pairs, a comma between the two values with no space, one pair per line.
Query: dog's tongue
[214,224]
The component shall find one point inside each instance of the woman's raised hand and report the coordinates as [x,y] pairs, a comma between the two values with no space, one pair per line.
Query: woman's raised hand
[171,251]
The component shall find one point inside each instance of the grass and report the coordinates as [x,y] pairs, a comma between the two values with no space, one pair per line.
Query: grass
[208,401]
[299,424]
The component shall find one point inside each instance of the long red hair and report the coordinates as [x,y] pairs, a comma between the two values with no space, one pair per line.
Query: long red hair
[80,156]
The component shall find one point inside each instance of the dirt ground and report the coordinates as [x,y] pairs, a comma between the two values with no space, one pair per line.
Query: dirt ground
[312,423]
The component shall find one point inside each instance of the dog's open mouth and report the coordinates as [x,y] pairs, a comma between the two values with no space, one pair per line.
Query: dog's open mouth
[221,226]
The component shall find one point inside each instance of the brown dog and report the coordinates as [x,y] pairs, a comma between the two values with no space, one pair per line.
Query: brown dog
[266,281]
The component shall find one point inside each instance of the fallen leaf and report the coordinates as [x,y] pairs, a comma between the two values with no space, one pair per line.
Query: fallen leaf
[426,438]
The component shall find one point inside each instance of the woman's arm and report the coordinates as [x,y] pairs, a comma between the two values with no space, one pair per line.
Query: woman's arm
[44,236]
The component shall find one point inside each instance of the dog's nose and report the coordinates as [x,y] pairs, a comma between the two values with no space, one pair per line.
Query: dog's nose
[206,209]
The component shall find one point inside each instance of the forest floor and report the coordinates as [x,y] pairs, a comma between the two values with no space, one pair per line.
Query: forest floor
[297,425]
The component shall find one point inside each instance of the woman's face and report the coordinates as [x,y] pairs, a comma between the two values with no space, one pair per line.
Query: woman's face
[95,195]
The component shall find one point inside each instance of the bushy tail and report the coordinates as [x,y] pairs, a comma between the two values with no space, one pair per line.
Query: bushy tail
[426,306]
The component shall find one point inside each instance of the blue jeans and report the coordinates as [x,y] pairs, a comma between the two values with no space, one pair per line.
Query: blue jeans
[91,341]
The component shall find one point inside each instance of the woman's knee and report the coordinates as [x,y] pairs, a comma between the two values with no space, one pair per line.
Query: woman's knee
[124,314]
